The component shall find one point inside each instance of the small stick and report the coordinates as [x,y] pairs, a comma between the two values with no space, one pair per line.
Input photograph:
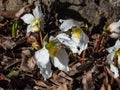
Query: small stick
[98,43]
[41,39]
[12,64]
[83,56]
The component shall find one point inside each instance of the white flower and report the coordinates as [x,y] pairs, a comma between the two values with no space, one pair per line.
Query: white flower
[35,21]
[67,24]
[58,57]
[114,52]
[114,29]
[77,42]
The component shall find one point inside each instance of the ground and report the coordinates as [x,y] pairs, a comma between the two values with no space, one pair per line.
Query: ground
[88,71]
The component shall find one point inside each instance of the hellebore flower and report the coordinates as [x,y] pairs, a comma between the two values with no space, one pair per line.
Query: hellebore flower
[114,29]
[51,53]
[77,42]
[114,52]
[34,21]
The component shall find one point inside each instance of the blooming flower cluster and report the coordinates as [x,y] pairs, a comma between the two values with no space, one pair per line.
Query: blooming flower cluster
[52,52]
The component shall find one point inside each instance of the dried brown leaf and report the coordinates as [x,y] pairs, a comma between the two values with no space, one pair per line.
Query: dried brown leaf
[23,10]
[8,43]
[103,87]
[2,77]
[109,87]
[27,64]
[62,87]
[88,80]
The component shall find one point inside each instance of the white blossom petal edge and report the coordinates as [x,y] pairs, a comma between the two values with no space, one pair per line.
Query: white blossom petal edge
[115,47]
[43,62]
[28,18]
[114,70]
[67,24]
[114,29]
[61,61]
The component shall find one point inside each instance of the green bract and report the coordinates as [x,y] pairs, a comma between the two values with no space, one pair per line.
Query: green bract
[14,28]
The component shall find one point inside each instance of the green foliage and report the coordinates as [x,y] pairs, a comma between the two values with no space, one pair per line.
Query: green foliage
[14,28]
[11,73]
[86,27]
[105,28]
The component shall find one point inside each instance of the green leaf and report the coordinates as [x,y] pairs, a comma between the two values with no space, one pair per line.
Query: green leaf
[14,28]
[12,72]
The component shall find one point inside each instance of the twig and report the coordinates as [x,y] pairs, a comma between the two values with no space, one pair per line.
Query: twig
[83,57]
[12,64]
[41,38]
[98,43]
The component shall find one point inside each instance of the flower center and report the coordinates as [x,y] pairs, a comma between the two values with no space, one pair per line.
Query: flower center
[53,48]
[35,25]
[118,52]
[76,33]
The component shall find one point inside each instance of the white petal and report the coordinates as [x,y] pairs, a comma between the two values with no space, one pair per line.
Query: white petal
[110,57]
[64,39]
[84,40]
[67,24]
[114,69]
[29,29]
[111,49]
[82,46]
[28,18]
[43,62]
[81,43]
[61,61]
[37,12]
[115,47]
[115,35]
[115,27]
[119,61]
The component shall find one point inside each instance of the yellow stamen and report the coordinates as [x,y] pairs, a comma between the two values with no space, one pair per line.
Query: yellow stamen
[53,48]
[35,45]
[35,25]
[76,33]
[118,52]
